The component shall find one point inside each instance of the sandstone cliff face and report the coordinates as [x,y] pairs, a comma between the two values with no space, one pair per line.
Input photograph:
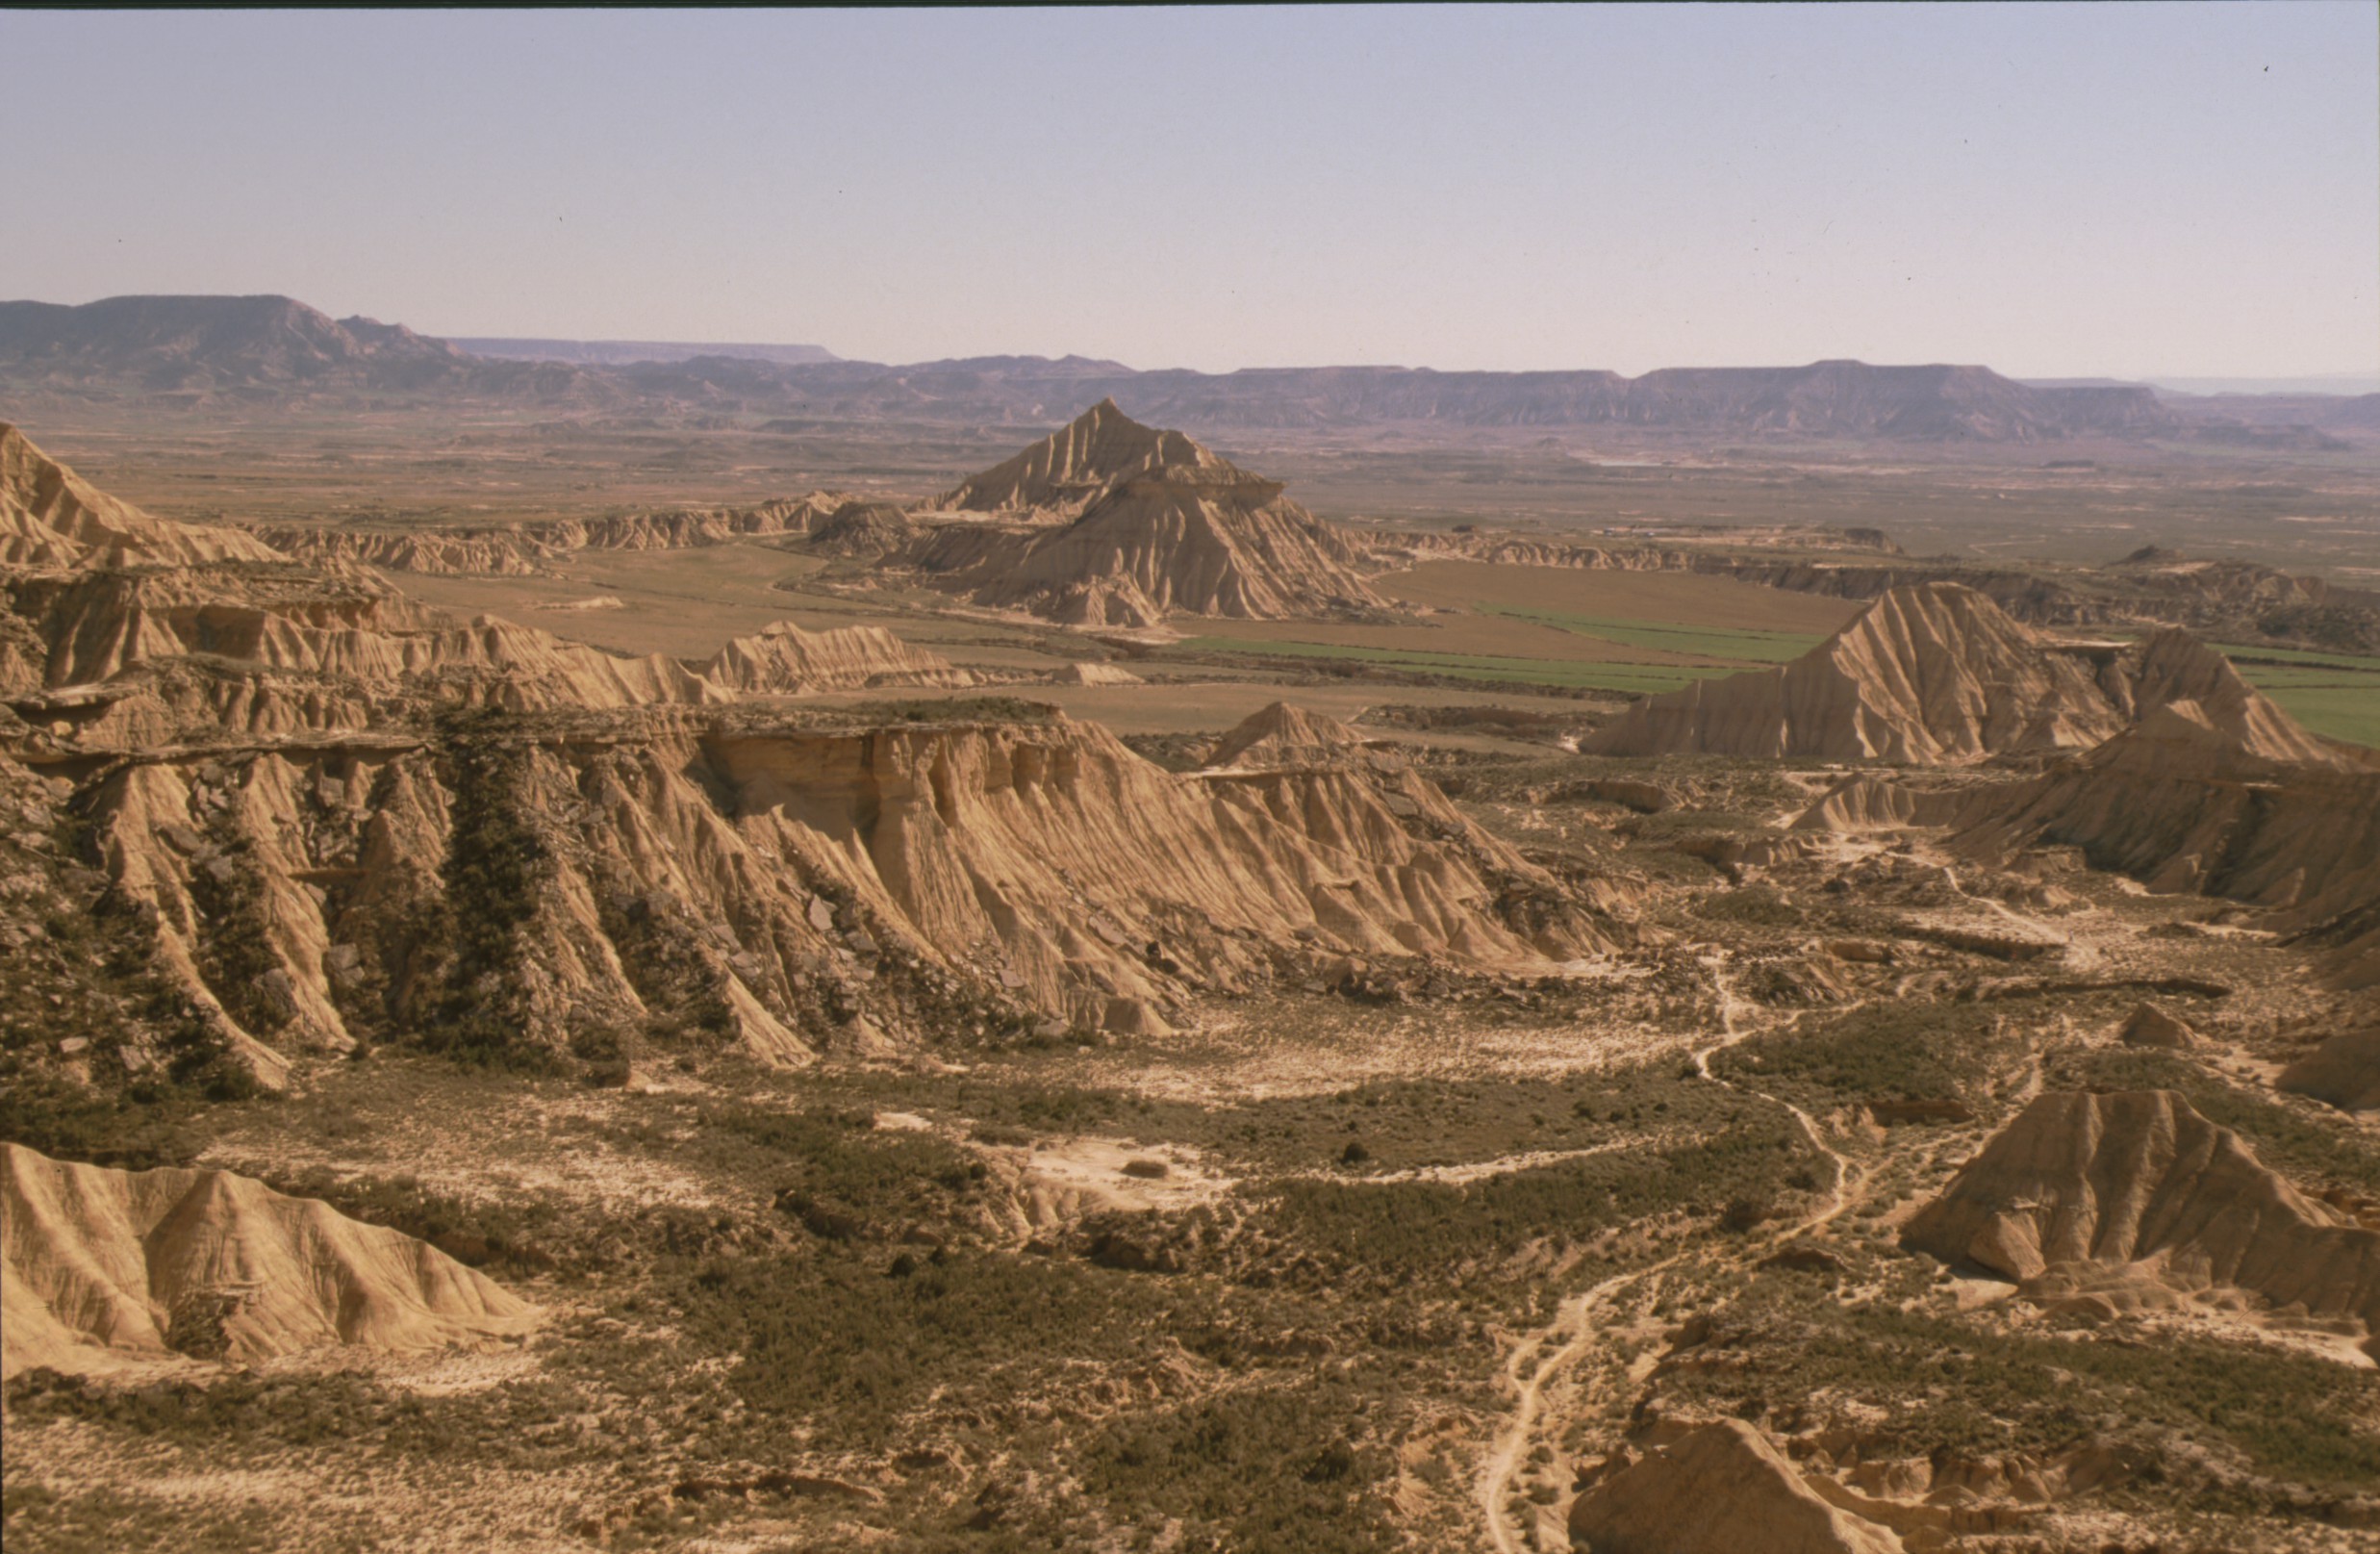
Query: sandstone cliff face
[2172,668]
[865,530]
[2109,1198]
[1154,523]
[797,888]
[51,516]
[1722,1489]
[106,1266]
[99,626]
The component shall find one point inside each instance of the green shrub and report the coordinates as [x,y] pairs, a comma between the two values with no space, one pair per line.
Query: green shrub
[1905,1052]
[1260,1469]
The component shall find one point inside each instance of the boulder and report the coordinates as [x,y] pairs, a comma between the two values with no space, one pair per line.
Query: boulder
[2149,1026]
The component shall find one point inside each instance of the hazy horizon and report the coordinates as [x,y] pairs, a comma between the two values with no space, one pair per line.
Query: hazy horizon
[2144,192]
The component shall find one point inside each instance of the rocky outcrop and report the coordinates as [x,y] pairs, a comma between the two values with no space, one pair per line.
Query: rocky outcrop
[50,517]
[1158,523]
[2172,666]
[2184,805]
[432,553]
[2343,1072]
[99,627]
[1095,674]
[1283,735]
[1062,475]
[795,888]
[105,1266]
[1721,1489]
[243,643]
[517,550]
[1937,674]
[2118,1200]
[785,660]
[2148,1026]
[863,530]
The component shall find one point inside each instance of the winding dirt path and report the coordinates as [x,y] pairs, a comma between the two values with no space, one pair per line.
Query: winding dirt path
[1573,1330]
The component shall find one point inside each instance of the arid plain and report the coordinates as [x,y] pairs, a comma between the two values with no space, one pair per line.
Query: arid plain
[766,957]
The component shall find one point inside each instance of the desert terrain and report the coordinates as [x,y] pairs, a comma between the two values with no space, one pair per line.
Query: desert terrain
[609,952]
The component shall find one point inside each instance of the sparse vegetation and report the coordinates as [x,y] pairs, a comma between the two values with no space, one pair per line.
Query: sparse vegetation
[467,948]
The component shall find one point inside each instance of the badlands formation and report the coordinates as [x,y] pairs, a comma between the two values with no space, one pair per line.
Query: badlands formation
[597,1084]
[1937,674]
[105,1269]
[1115,524]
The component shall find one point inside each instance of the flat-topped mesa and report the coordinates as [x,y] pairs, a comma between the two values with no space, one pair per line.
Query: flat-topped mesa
[52,518]
[1937,674]
[2134,1198]
[783,660]
[1064,473]
[103,1268]
[1158,524]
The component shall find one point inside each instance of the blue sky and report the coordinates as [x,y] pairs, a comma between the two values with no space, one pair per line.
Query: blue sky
[2126,190]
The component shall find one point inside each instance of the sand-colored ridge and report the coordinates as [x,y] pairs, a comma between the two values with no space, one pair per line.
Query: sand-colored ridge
[103,1266]
[521,549]
[1934,674]
[1058,477]
[2186,807]
[52,518]
[2128,1197]
[783,659]
[1721,1489]
[812,885]
[1939,674]
[1282,734]
[2343,1072]
[1131,523]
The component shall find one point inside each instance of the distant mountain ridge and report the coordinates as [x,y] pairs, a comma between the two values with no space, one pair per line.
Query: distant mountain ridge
[252,347]
[269,346]
[623,352]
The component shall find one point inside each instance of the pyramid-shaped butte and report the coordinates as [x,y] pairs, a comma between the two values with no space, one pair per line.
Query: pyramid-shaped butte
[1283,735]
[2117,1196]
[1937,674]
[1151,523]
[1074,466]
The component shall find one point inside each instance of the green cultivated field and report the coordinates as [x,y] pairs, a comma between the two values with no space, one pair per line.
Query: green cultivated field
[2337,694]
[1630,680]
[1708,642]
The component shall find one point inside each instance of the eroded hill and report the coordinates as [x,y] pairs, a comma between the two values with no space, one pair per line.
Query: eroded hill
[921,1118]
